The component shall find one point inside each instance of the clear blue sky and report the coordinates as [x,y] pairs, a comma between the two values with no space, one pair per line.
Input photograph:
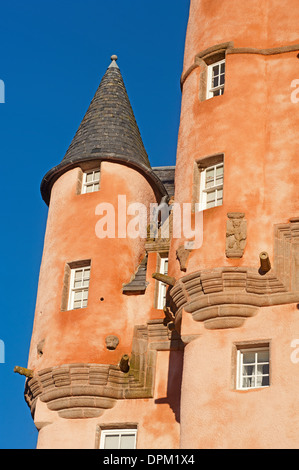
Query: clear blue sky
[53,56]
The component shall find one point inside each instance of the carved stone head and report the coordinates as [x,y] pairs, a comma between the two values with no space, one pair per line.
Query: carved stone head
[111,342]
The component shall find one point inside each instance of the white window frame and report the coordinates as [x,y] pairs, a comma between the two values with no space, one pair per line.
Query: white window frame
[119,432]
[163,269]
[210,88]
[255,375]
[73,289]
[215,187]
[94,183]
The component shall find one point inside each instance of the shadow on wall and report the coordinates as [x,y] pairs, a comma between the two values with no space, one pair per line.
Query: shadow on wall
[174,382]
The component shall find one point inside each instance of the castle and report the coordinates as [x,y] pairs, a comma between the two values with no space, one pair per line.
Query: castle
[178,339]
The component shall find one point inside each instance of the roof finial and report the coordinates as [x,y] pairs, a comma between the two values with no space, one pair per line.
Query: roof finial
[114,59]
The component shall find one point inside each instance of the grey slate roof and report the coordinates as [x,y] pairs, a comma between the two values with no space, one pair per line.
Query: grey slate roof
[166,175]
[108,131]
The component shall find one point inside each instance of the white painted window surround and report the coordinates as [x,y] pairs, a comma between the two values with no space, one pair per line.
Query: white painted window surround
[91,181]
[211,186]
[253,368]
[79,286]
[118,439]
[161,299]
[216,79]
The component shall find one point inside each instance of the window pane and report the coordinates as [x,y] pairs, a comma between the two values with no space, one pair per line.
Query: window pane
[89,177]
[217,92]
[263,356]
[219,171]
[249,358]
[215,82]
[210,172]
[265,381]
[248,370]
[221,79]
[96,187]
[263,369]
[215,70]
[210,204]
[77,295]
[77,284]
[222,67]
[166,266]
[127,441]
[211,196]
[89,189]
[77,304]
[97,175]
[111,441]
[85,295]
[248,382]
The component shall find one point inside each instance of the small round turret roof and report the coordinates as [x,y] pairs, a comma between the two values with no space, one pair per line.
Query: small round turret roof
[108,132]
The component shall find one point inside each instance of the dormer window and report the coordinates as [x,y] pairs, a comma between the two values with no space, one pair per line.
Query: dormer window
[91,181]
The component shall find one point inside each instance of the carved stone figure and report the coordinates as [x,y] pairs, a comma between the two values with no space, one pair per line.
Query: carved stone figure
[236,234]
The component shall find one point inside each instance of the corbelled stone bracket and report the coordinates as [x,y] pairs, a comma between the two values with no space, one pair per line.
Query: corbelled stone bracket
[87,390]
[225,297]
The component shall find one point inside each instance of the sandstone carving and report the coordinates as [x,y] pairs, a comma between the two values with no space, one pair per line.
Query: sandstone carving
[236,234]
[182,255]
[111,342]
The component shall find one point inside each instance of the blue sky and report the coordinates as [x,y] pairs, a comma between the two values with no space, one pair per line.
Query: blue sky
[53,56]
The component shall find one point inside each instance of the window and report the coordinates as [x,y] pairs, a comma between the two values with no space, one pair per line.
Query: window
[91,181]
[211,186]
[79,285]
[253,368]
[216,79]
[163,269]
[118,439]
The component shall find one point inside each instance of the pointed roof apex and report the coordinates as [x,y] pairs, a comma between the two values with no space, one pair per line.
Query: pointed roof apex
[108,132]
[113,63]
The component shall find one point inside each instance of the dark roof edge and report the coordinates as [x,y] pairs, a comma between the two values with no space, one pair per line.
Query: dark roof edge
[52,175]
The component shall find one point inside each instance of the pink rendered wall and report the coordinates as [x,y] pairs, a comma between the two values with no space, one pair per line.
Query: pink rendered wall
[214,415]
[79,335]
[157,419]
[255,124]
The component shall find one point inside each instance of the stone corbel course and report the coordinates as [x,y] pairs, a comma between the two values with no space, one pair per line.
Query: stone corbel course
[87,390]
[225,297]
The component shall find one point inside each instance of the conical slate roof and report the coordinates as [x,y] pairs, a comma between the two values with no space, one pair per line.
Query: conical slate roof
[108,132]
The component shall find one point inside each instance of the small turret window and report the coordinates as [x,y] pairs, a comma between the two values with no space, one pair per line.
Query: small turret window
[253,368]
[91,181]
[79,286]
[216,79]
[211,179]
